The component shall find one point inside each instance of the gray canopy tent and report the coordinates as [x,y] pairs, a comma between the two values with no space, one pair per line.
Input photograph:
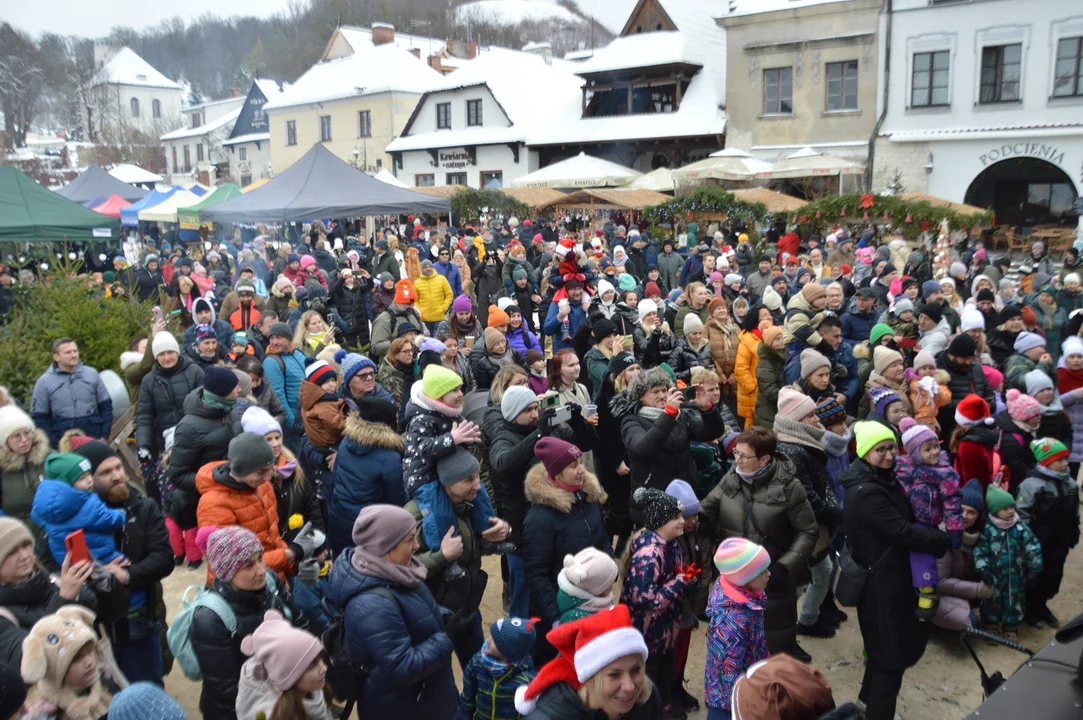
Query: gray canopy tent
[320,185]
[96,182]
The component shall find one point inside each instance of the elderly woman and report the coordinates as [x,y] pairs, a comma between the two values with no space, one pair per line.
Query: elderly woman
[23,448]
[393,624]
[881,533]
[761,499]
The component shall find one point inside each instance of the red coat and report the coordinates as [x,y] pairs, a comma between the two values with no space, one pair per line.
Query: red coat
[788,244]
[975,460]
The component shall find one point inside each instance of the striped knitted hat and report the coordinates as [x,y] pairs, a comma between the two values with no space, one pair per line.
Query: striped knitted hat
[741,561]
[830,411]
[1048,450]
[318,372]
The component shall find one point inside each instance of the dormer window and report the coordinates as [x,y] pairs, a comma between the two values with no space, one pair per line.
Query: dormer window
[141,78]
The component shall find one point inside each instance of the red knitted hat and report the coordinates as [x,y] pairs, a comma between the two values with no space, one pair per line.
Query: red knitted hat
[404,292]
[972,410]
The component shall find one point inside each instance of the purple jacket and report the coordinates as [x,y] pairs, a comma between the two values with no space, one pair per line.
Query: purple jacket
[653,592]
[933,491]
[735,640]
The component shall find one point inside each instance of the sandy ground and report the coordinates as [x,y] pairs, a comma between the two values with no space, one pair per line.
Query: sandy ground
[945,685]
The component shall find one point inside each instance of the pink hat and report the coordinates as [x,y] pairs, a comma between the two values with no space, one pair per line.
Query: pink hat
[307,261]
[994,377]
[285,652]
[1022,407]
[741,561]
[794,405]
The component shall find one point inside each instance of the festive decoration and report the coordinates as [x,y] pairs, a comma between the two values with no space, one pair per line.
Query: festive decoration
[925,226]
[707,203]
[828,212]
[866,201]
[804,219]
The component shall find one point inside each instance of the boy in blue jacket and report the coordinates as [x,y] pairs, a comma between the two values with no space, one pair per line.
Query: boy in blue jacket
[65,502]
[502,665]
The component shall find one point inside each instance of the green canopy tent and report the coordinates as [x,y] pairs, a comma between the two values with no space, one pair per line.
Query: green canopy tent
[32,213]
[188,217]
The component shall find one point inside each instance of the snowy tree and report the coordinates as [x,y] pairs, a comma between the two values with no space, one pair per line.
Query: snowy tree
[895,184]
[21,81]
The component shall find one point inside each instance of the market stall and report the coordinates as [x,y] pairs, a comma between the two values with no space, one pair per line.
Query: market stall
[610,199]
[581,171]
[166,211]
[111,206]
[32,213]
[129,216]
[96,182]
[188,217]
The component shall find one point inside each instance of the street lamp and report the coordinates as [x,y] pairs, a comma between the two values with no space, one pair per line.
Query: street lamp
[356,153]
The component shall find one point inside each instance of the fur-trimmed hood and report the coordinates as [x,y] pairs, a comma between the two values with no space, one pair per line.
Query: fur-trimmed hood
[280,285]
[127,359]
[10,462]
[540,491]
[372,435]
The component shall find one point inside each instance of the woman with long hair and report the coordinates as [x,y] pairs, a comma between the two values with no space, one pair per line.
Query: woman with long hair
[724,338]
[285,675]
[312,335]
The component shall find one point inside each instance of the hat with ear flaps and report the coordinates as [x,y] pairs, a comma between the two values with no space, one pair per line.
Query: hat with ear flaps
[52,645]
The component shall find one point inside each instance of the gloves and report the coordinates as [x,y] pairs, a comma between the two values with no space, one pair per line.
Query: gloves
[928,384]
[956,537]
[459,625]
[144,453]
[305,543]
[576,410]
[545,422]
[689,573]
[308,572]
[780,577]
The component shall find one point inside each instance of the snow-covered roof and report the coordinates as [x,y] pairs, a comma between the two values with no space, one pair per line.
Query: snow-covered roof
[127,68]
[512,13]
[250,137]
[637,51]
[134,175]
[187,132]
[737,8]
[215,103]
[380,68]
[360,39]
[271,88]
[610,14]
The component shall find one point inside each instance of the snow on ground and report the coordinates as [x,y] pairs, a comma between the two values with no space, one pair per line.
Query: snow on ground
[508,13]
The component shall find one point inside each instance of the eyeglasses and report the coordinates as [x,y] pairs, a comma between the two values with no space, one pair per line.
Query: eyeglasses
[366,375]
[885,451]
[741,457]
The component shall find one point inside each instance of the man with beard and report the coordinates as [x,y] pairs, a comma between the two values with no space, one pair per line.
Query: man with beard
[965,378]
[149,279]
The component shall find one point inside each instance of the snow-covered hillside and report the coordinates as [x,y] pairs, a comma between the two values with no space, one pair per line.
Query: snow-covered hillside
[510,13]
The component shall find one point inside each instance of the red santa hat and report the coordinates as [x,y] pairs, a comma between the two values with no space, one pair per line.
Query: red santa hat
[586,646]
[972,410]
[568,243]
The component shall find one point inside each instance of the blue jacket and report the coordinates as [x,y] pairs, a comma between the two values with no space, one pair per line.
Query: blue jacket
[692,266]
[287,385]
[454,278]
[222,330]
[368,470]
[489,686]
[522,340]
[857,326]
[404,643]
[577,316]
[64,400]
[60,509]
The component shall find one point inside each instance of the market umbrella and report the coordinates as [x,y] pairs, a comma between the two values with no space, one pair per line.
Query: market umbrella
[660,180]
[112,206]
[729,164]
[385,177]
[807,162]
[580,171]
[32,213]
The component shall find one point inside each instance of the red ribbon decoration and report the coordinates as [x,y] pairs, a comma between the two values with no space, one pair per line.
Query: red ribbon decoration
[866,200]
[924,225]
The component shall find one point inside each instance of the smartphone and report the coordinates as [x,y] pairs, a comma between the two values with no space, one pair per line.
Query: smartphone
[562,415]
[157,314]
[549,401]
[76,545]
[689,393]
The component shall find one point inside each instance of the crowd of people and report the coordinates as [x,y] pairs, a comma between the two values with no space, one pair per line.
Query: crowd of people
[661,439]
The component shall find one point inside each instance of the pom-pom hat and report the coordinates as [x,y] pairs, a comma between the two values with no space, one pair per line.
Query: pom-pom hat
[1048,450]
[972,410]
[741,561]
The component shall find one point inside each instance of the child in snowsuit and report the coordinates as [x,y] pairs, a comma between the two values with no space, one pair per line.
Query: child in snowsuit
[1009,557]
[932,487]
[1049,504]
[735,634]
[501,667]
[837,437]
[585,584]
[929,389]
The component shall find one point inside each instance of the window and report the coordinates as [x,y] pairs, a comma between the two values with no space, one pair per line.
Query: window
[456,178]
[187,159]
[492,180]
[929,81]
[246,180]
[174,159]
[364,124]
[443,116]
[291,132]
[197,120]
[1068,74]
[842,85]
[155,109]
[425,180]
[1000,66]
[379,164]
[778,91]
[242,154]
[135,107]
[199,152]
[325,128]
[473,112]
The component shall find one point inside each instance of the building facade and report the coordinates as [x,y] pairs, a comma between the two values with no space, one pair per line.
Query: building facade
[129,96]
[195,151]
[249,144]
[985,106]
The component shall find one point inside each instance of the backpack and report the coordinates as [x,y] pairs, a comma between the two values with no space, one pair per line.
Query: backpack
[345,678]
[179,635]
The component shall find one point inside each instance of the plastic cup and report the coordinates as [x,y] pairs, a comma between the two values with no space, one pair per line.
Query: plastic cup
[590,411]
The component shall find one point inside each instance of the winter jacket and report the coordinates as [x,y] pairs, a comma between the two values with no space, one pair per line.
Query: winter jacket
[561,702]
[880,529]
[654,592]
[350,303]
[1014,451]
[802,321]
[1014,558]
[202,436]
[803,446]
[933,492]
[1049,504]
[266,399]
[382,299]
[161,401]
[483,365]
[974,457]
[78,399]
[678,322]
[219,652]
[856,326]
[28,602]
[368,471]
[961,382]
[926,406]
[285,373]
[452,327]
[770,378]
[256,696]
[553,325]
[428,439]
[402,640]
[279,302]
[684,357]
[596,361]
[324,415]
[20,475]
[148,284]
[935,341]
[1018,365]
[658,450]
[652,350]
[521,340]
[735,640]
[489,686]
[386,324]
[434,296]
[296,495]
[669,270]
[59,509]
[744,372]
[558,523]
[957,586]
[1051,319]
[451,273]
[876,382]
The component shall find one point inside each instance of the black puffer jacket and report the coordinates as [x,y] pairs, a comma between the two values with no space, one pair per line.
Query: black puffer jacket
[684,357]
[161,401]
[202,436]
[219,652]
[811,465]
[1014,450]
[654,349]
[29,602]
[147,284]
[484,367]
[658,450]
[561,702]
[350,304]
[961,384]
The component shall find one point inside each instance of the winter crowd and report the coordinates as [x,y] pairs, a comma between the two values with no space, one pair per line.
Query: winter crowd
[660,439]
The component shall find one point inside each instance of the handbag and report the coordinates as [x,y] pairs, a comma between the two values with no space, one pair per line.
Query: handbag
[850,576]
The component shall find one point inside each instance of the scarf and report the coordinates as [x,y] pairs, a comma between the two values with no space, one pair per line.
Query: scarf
[750,478]
[1043,470]
[1004,524]
[1048,312]
[970,539]
[408,576]
[216,402]
[314,339]
[837,445]
[741,594]
[285,470]
[1069,380]
[1054,407]
[418,397]
[650,413]
[798,432]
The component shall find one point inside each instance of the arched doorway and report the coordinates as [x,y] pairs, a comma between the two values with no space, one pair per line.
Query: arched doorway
[1025,192]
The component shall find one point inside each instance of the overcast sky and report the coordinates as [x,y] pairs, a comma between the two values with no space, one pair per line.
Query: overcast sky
[95,18]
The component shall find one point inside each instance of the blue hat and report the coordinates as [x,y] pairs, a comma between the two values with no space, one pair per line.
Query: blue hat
[513,637]
[292,258]
[144,700]
[684,492]
[674,294]
[351,363]
[973,495]
[928,288]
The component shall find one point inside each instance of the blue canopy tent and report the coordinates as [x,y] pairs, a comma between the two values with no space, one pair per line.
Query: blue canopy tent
[129,216]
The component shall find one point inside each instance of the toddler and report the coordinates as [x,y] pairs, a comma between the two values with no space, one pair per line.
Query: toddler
[995,378]
[735,633]
[501,667]
[932,487]
[837,437]
[1070,387]
[585,584]
[323,412]
[539,381]
[1049,504]
[1009,557]
[929,389]
[65,502]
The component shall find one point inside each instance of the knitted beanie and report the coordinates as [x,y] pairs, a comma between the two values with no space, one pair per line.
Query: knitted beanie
[53,643]
[652,290]
[219,380]
[924,359]
[513,637]
[868,434]
[928,288]
[813,291]
[994,377]
[1036,380]
[493,338]
[794,405]
[771,333]
[772,300]
[403,328]
[227,549]
[437,381]
[516,399]
[247,453]
[881,398]
[405,293]
[462,304]
[204,332]
[13,692]
[13,419]
[379,528]
[556,454]
[164,342]
[456,467]
[286,652]
[280,329]
[878,332]
[933,311]
[307,261]
[259,421]
[1022,407]
[646,307]
[973,496]
[1072,345]
[621,362]
[692,323]
[602,329]
[971,319]
[741,561]
[497,317]
[903,305]
[962,345]
[830,411]
[591,571]
[1030,318]
[352,363]
[1048,450]
[655,507]
[1028,341]
[318,372]
[811,361]
[66,467]
[997,499]
[914,435]
[13,535]
[883,358]
[142,701]
[684,492]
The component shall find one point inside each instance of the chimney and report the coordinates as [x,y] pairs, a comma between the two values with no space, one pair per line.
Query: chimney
[383,33]
[104,51]
[416,52]
[436,62]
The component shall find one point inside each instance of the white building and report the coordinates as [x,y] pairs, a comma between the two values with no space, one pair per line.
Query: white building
[472,130]
[249,144]
[985,105]
[195,152]
[128,95]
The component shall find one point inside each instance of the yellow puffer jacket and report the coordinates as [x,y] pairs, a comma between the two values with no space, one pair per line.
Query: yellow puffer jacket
[434,296]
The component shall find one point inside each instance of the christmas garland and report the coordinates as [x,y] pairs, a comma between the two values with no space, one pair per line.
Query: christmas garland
[472,204]
[910,217]
[706,202]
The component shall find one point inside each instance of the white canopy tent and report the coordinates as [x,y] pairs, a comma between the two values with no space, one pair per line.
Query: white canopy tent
[385,176]
[134,175]
[660,180]
[166,211]
[729,164]
[807,162]
[581,171]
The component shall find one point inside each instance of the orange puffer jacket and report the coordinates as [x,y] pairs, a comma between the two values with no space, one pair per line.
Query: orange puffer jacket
[223,502]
